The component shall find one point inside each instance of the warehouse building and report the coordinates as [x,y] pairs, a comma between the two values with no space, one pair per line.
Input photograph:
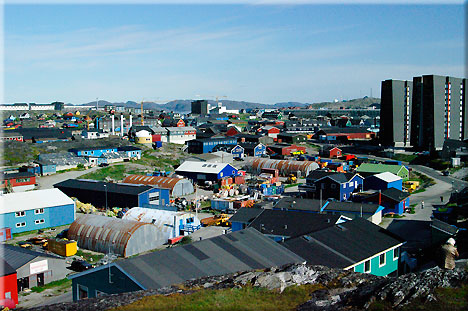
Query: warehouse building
[177,186]
[238,251]
[207,144]
[118,236]
[170,223]
[116,195]
[34,210]
[33,268]
[200,171]
[21,181]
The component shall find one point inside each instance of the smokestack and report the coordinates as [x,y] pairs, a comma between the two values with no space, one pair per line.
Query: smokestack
[121,125]
[131,117]
[113,124]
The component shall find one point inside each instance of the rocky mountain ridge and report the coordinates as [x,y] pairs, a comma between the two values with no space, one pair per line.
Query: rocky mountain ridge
[342,290]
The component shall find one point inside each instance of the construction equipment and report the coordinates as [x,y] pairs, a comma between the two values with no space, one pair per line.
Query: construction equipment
[216,220]
[298,152]
[291,179]
[62,247]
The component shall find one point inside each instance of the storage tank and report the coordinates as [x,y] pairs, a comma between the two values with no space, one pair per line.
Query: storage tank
[122,237]
[285,167]
[178,186]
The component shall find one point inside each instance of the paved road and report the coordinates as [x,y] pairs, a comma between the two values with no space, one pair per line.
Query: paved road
[67,297]
[47,182]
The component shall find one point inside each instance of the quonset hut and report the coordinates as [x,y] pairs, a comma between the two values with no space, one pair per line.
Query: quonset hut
[177,186]
[122,237]
[285,167]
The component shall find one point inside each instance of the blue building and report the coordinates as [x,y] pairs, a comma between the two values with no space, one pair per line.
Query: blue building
[393,200]
[203,171]
[329,185]
[46,167]
[34,210]
[131,151]
[93,151]
[206,145]
[99,193]
[253,149]
[383,181]
[237,152]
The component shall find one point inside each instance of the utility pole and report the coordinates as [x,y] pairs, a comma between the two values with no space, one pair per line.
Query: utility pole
[109,251]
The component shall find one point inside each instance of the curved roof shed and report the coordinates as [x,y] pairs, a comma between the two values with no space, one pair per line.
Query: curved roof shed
[177,186]
[122,237]
[285,167]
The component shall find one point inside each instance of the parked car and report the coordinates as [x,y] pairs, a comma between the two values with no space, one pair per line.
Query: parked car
[446,173]
[80,265]
[103,164]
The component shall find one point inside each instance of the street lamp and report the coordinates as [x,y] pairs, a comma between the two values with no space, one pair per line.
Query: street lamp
[108,253]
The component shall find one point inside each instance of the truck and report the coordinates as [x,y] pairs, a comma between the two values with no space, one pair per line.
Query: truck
[216,220]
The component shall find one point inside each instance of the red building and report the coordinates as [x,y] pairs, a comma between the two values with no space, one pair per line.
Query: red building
[269,131]
[21,180]
[331,152]
[180,123]
[8,288]
[232,130]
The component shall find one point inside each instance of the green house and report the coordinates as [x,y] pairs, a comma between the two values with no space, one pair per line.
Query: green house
[357,244]
[367,169]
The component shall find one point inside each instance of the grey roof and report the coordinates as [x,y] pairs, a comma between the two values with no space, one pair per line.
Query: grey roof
[5,268]
[395,194]
[343,245]
[338,177]
[246,215]
[17,257]
[289,203]
[98,186]
[238,251]
[291,223]
[443,226]
[368,208]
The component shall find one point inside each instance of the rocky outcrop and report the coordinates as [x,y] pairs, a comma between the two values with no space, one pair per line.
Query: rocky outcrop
[341,289]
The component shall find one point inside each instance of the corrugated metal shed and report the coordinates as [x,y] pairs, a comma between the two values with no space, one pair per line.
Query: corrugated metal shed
[123,237]
[177,186]
[285,167]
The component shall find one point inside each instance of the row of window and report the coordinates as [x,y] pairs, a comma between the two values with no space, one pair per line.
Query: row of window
[23,224]
[37,211]
[18,180]
[382,260]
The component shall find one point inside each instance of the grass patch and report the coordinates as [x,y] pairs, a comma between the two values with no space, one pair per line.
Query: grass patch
[15,235]
[114,172]
[404,157]
[246,298]
[424,181]
[291,185]
[63,282]
[89,257]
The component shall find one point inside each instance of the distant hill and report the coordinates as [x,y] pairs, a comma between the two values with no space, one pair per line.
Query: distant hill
[184,105]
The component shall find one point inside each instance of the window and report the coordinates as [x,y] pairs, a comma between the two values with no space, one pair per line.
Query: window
[382,260]
[20,224]
[396,253]
[367,266]
[8,295]
[39,211]
[22,180]
[82,292]
[20,214]
[189,220]
[39,221]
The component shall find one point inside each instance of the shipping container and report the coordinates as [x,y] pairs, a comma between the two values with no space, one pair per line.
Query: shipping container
[62,247]
[5,234]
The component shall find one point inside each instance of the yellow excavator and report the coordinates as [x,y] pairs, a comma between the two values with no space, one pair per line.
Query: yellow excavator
[291,179]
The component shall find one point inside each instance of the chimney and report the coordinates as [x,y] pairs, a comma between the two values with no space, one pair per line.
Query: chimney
[121,125]
[380,197]
[113,124]
[131,118]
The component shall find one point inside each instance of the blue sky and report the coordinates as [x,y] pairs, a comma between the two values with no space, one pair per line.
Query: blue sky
[259,53]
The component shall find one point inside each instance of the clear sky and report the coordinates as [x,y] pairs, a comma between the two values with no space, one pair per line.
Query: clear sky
[259,53]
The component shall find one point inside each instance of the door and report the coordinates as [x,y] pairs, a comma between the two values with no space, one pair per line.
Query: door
[82,292]
[40,279]
[23,283]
